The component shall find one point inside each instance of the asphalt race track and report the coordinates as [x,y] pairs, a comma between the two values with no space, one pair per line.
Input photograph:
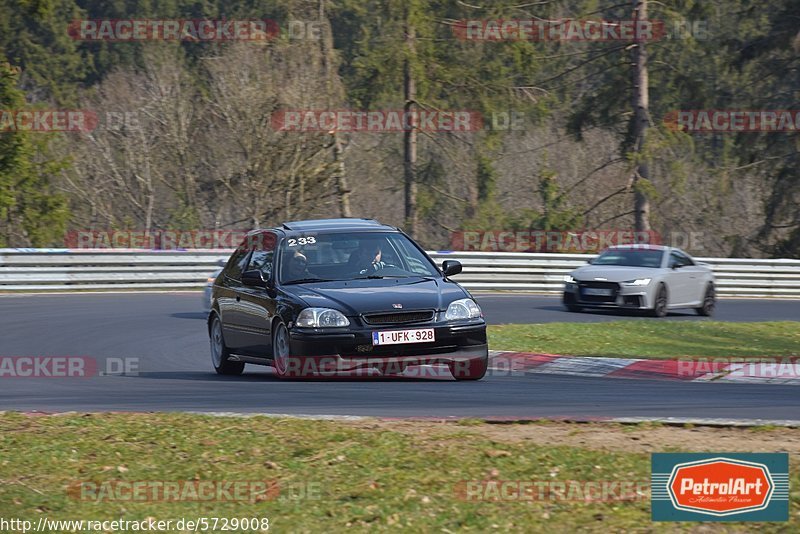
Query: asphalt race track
[166,335]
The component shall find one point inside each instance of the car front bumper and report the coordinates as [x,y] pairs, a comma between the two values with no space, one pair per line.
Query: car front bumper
[352,348]
[623,296]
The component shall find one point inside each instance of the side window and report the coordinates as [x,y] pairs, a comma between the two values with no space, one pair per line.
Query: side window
[413,264]
[262,260]
[263,253]
[676,259]
[237,263]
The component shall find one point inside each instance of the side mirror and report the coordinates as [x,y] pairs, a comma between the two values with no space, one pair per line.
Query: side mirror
[451,267]
[254,278]
[590,260]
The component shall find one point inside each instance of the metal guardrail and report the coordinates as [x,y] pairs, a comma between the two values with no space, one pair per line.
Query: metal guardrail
[71,269]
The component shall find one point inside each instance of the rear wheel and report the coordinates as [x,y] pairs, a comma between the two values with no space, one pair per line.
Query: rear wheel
[709,302]
[470,369]
[220,353]
[660,305]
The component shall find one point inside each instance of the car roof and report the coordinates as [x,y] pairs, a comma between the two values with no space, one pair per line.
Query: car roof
[336,225]
[643,246]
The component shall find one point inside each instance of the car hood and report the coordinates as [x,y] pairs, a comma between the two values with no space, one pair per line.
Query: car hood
[613,273]
[354,297]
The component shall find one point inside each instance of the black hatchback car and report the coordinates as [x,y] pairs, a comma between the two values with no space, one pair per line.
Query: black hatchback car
[342,296]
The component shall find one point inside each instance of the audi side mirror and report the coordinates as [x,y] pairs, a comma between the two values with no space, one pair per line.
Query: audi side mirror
[451,267]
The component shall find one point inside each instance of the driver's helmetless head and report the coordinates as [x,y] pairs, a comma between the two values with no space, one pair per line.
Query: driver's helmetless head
[369,251]
[297,264]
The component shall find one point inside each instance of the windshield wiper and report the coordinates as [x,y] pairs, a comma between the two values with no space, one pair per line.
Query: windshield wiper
[307,280]
[379,276]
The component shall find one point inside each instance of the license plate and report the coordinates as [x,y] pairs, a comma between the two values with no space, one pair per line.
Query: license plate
[598,291]
[396,337]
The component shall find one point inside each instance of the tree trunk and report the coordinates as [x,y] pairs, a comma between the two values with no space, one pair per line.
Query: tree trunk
[410,138]
[340,174]
[641,103]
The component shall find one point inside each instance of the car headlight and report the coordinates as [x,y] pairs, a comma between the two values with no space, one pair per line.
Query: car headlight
[321,318]
[569,279]
[638,282]
[462,309]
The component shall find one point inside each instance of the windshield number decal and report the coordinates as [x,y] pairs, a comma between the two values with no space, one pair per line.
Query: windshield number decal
[309,240]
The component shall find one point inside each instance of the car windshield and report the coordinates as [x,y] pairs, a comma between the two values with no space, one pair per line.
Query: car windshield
[319,256]
[630,258]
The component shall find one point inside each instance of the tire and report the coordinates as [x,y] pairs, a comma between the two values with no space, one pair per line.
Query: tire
[569,303]
[220,353]
[660,305]
[281,353]
[471,369]
[709,302]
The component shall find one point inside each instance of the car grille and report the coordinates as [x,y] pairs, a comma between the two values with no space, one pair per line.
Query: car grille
[613,286]
[398,317]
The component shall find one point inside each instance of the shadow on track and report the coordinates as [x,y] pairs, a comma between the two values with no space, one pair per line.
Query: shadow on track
[270,376]
[617,312]
[190,315]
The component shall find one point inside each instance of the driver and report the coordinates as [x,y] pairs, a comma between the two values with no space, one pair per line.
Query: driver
[297,266]
[367,258]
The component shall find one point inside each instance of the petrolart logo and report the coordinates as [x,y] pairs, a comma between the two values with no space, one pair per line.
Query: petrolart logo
[720,487]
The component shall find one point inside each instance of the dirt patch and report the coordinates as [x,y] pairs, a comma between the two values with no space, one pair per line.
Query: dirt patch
[640,438]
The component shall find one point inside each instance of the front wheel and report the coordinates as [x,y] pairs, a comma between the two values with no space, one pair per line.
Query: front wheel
[280,350]
[709,303]
[470,369]
[220,353]
[660,305]
[569,303]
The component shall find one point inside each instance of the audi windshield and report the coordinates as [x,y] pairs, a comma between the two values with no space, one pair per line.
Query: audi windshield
[630,258]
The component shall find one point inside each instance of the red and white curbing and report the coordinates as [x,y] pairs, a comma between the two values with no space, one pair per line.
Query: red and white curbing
[766,371]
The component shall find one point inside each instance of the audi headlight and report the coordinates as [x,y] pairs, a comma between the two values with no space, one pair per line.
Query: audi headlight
[321,318]
[462,309]
[569,279]
[638,282]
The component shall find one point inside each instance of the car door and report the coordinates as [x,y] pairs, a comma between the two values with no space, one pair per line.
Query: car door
[228,298]
[256,305]
[696,280]
[680,278]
